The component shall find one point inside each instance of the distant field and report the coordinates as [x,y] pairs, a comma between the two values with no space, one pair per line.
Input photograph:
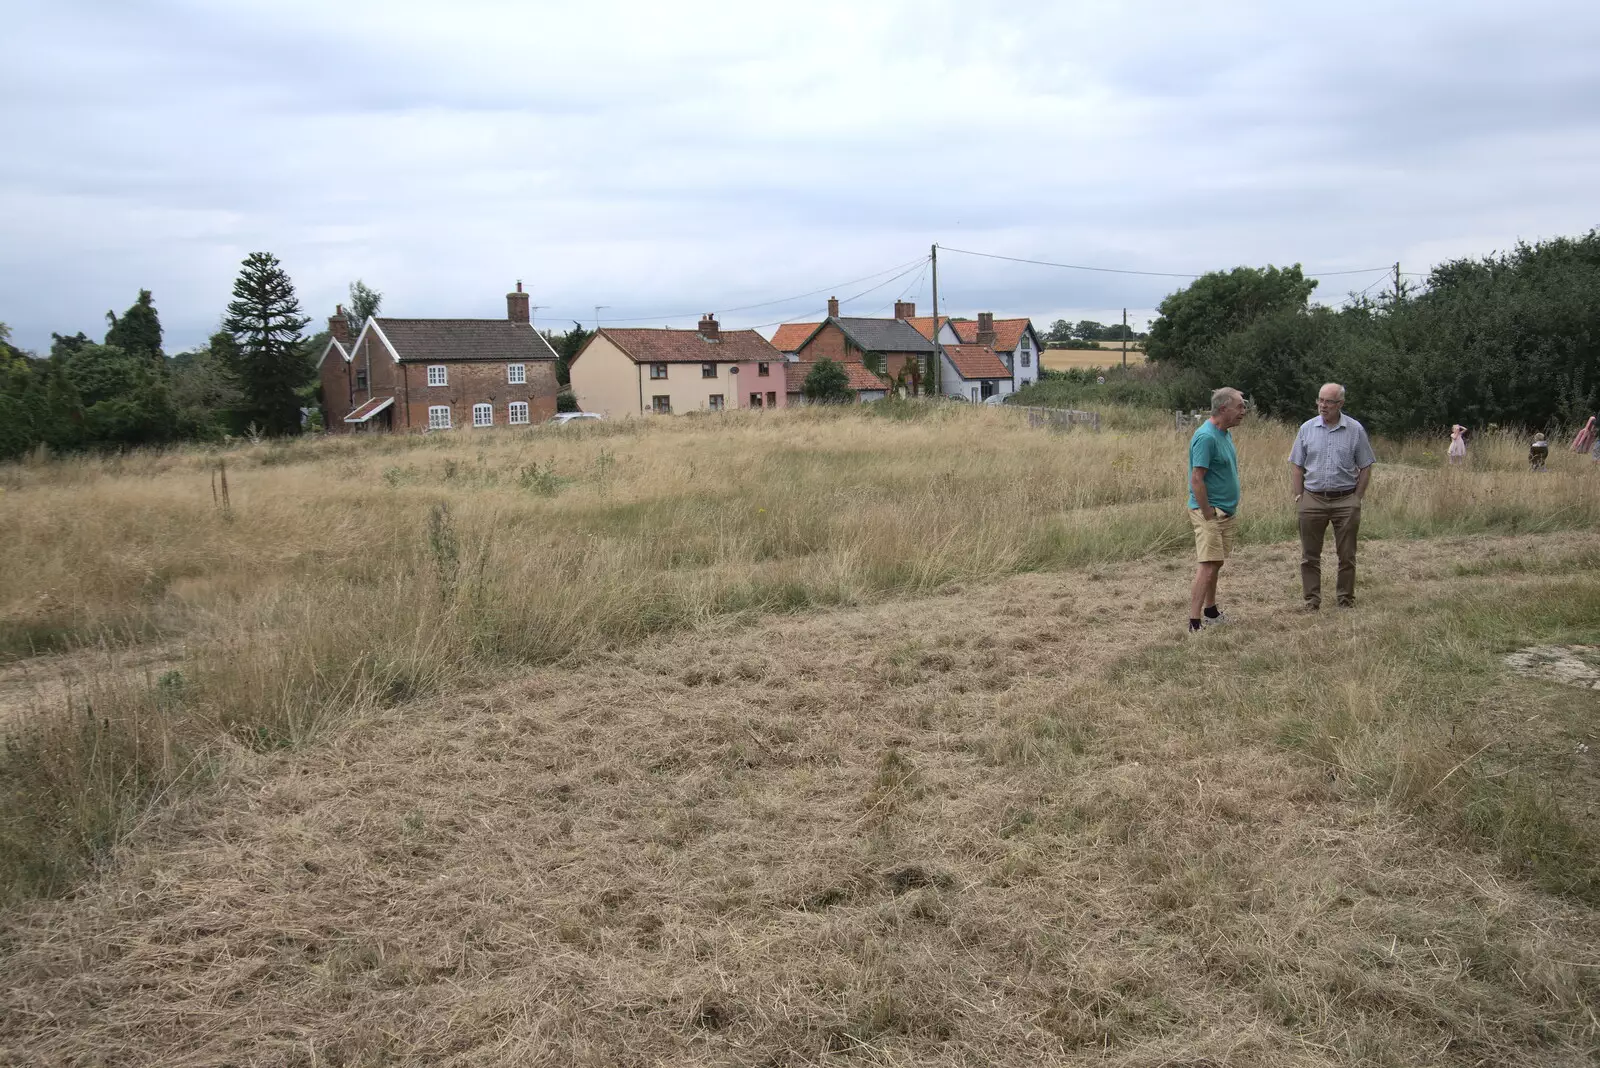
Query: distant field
[1109,353]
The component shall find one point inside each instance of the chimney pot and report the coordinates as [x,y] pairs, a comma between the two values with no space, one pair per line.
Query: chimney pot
[517,305]
[833,307]
[339,325]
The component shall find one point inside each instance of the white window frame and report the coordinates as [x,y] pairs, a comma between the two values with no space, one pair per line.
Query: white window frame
[485,412]
[716,402]
[435,422]
[516,374]
[440,379]
[514,410]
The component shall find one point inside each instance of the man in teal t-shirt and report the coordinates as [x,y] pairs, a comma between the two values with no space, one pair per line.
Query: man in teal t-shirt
[1213,502]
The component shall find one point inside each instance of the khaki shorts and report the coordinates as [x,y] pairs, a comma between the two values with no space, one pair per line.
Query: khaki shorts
[1213,539]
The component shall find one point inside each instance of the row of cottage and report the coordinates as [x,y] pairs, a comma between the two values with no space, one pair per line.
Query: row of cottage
[438,374]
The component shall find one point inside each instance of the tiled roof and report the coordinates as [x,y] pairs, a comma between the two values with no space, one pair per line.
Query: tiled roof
[657,345]
[860,376]
[923,324]
[884,335]
[973,362]
[790,335]
[1007,332]
[441,340]
[368,409]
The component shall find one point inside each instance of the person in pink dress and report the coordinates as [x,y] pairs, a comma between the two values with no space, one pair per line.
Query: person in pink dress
[1458,443]
[1585,437]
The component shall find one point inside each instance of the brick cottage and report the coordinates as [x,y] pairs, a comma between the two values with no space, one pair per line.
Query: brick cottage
[438,374]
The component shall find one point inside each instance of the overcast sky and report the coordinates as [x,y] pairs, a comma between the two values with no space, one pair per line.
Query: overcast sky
[672,159]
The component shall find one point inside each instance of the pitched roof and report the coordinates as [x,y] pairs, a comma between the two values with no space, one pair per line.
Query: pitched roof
[367,409]
[923,324]
[861,377]
[791,336]
[436,340]
[884,335]
[1007,332]
[333,344]
[656,345]
[976,361]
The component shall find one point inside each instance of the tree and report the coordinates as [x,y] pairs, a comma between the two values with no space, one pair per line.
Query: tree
[567,346]
[1216,304]
[1088,330]
[364,304]
[828,383]
[271,365]
[123,397]
[138,331]
[203,389]
[1060,331]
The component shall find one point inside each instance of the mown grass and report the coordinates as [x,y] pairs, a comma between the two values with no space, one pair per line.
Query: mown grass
[349,574]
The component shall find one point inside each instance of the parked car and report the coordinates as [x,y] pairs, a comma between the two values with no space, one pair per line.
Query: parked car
[563,418]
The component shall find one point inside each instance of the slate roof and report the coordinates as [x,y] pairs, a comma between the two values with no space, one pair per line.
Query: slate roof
[656,345]
[884,335]
[443,340]
[973,362]
[1007,332]
[861,377]
[791,336]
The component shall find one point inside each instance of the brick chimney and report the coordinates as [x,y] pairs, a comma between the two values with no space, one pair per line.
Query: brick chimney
[517,305]
[708,327]
[905,309]
[986,329]
[833,307]
[339,326]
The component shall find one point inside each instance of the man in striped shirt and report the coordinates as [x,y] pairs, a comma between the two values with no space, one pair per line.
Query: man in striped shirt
[1332,463]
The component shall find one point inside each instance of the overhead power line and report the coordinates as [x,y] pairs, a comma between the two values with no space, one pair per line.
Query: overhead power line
[904,268]
[1121,270]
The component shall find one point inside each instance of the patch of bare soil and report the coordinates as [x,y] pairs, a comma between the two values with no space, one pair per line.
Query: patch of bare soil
[51,680]
[922,833]
[1570,665]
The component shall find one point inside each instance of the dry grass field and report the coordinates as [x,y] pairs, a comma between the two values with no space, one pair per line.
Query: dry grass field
[1107,355]
[824,738]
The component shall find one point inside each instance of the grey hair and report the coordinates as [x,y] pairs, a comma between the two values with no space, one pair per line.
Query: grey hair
[1222,398]
[1336,386]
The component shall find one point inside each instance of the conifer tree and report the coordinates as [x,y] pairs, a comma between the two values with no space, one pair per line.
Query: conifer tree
[138,331]
[271,365]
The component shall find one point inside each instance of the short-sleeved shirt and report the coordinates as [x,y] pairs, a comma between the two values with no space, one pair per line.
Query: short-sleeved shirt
[1333,456]
[1212,449]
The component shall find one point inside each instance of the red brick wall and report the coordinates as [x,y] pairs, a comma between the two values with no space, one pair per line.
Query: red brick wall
[474,383]
[831,343]
[335,379]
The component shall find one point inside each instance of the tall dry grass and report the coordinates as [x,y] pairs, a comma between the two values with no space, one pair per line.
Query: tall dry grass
[352,573]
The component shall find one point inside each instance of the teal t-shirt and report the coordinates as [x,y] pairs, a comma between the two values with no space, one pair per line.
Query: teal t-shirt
[1212,449]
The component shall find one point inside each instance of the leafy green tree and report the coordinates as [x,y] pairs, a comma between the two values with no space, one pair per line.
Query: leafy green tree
[137,331]
[1060,330]
[203,389]
[123,397]
[1088,330]
[828,383]
[271,365]
[364,304]
[1216,304]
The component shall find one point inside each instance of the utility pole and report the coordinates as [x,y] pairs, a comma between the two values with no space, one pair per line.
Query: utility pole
[598,308]
[1124,339]
[1397,292]
[936,368]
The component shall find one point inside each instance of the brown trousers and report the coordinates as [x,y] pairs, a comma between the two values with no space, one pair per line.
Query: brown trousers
[1316,513]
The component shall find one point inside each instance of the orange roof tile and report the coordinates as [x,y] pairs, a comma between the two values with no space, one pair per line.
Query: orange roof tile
[1007,332]
[923,324]
[860,376]
[790,336]
[976,361]
[657,345]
